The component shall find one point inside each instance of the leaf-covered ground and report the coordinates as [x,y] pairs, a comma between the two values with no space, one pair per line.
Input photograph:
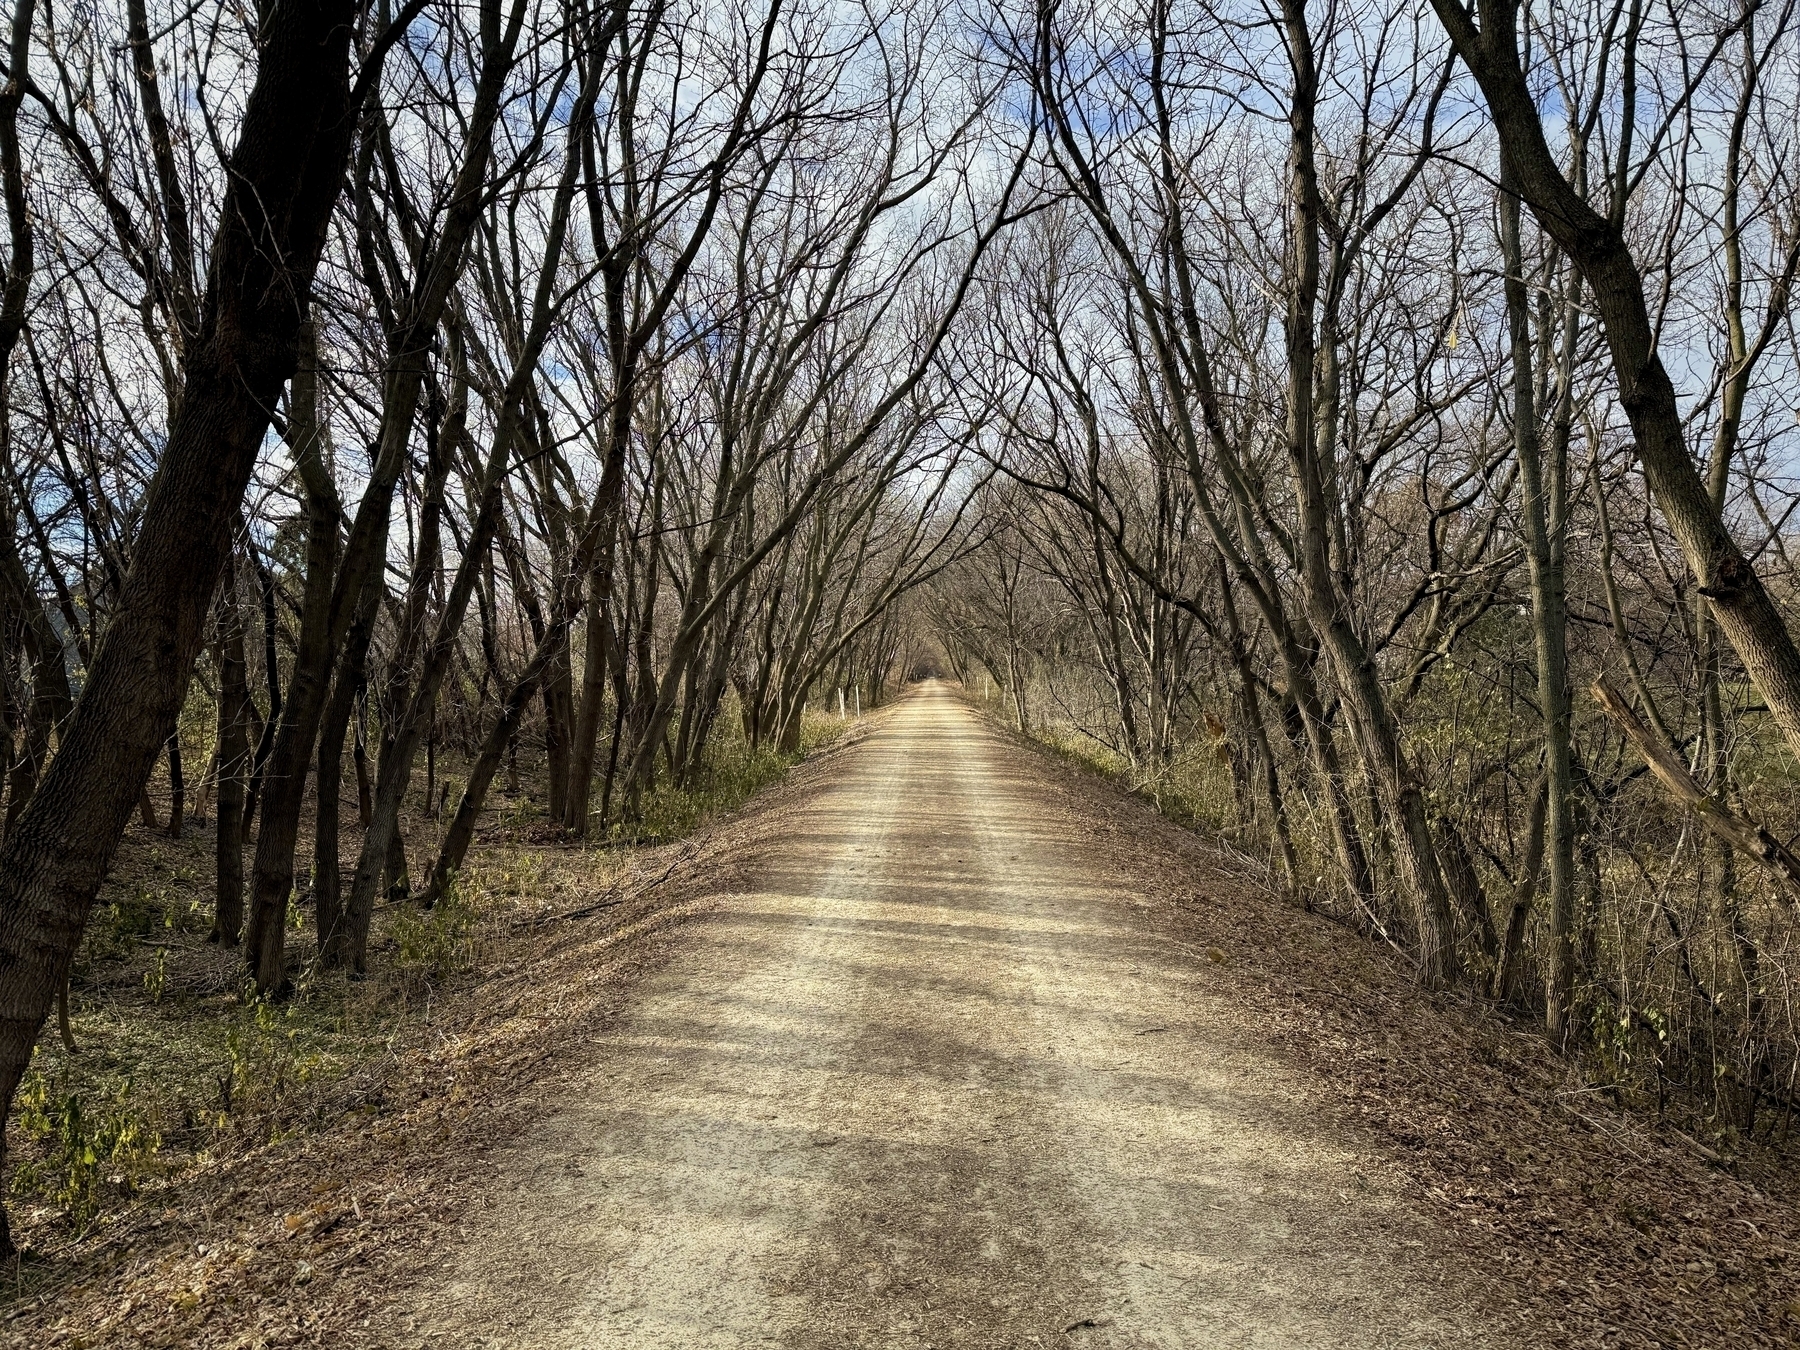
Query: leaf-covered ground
[1599,1226]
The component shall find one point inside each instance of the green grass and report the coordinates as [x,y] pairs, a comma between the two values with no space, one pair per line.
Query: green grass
[733,773]
[166,1076]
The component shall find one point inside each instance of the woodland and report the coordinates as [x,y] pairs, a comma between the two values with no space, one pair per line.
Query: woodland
[1365,430]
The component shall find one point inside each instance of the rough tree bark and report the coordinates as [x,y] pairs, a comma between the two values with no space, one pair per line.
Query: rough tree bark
[283,178]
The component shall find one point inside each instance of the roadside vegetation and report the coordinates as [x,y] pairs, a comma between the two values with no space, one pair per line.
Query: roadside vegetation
[1684,1002]
[179,1062]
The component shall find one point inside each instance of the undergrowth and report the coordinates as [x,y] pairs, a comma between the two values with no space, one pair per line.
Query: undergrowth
[1193,789]
[179,1061]
[733,773]
[1653,1020]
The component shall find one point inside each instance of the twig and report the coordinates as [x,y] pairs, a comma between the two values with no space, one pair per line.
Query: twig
[1712,1156]
[609,898]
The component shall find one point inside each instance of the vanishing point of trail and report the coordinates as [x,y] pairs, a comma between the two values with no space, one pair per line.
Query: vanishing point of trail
[932,1079]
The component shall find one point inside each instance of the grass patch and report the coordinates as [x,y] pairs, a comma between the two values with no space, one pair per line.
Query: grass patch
[733,772]
[1194,789]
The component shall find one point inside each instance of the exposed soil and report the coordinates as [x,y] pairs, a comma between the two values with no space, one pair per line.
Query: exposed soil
[945,1044]
[938,1077]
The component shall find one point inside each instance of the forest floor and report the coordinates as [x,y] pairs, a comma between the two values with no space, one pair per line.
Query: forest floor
[942,1043]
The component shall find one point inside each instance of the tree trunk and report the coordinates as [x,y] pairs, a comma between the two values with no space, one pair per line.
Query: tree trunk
[347,699]
[587,723]
[359,574]
[1505,964]
[233,768]
[273,877]
[1240,651]
[51,699]
[1377,733]
[265,740]
[283,180]
[381,842]
[177,785]
[1545,510]
[359,753]
[481,772]
[559,730]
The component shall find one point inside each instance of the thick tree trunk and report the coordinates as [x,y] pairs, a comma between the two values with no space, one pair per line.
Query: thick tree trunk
[598,553]
[1465,885]
[395,875]
[283,180]
[712,694]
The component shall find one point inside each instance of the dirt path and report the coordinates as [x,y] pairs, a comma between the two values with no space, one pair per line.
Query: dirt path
[934,1079]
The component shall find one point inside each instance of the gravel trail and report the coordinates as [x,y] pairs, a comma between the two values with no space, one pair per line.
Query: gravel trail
[933,1079]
